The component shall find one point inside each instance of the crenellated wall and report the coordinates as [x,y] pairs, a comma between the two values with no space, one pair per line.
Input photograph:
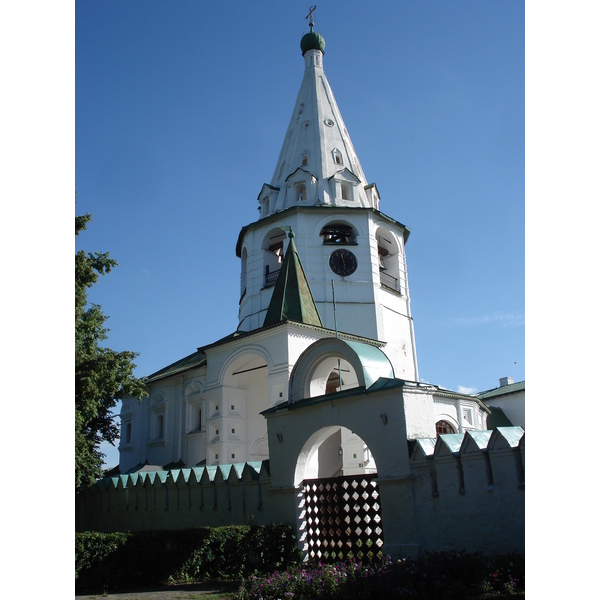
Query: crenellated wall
[177,499]
[464,491]
[469,490]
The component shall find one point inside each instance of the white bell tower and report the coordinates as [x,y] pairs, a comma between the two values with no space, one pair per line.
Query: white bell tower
[348,248]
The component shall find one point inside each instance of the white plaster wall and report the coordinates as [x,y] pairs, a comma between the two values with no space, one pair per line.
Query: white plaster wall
[513,406]
[419,413]
[355,295]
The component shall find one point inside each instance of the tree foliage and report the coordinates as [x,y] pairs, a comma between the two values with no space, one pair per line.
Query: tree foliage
[102,376]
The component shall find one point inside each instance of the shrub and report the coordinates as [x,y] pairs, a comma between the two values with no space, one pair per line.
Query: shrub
[441,575]
[108,561]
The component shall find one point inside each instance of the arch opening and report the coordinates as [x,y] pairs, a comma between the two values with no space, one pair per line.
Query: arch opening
[334,451]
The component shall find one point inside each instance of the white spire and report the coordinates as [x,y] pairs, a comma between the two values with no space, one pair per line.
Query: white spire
[317,163]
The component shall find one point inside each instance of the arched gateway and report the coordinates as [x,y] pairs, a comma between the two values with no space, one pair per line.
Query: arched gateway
[334,451]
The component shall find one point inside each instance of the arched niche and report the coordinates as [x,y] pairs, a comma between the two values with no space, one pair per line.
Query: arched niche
[273,248]
[389,254]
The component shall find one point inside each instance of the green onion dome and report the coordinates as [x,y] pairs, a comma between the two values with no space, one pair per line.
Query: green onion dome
[312,41]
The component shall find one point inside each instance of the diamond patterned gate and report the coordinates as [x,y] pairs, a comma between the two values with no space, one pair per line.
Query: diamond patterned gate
[343,517]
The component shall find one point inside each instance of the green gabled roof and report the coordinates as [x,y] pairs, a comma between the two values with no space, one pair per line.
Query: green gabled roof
[292,299]
[511,388]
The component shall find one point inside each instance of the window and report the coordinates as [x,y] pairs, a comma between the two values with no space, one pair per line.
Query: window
[300,192]
[128,433]
[389,260]
[442,427]
[346,191]
[158,423]
[337,233]
[337,157]
[304,160]
[468,416]
[272,256]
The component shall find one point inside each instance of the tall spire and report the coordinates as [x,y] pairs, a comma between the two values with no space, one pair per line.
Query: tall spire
[292,299]
[317,163]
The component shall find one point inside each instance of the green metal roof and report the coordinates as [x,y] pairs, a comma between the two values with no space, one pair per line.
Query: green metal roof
[481,438]
[512,435]
[292,298]
[452,441]
[374,362]
[197,359]
[427,446]
[503,390]
[383,383]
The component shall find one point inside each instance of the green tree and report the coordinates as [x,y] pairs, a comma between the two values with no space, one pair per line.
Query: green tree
[102,376]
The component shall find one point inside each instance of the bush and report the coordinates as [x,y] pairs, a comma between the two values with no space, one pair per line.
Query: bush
[109,561]
[441,575]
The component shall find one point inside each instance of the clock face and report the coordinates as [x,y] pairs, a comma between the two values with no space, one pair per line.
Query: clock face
[342,262]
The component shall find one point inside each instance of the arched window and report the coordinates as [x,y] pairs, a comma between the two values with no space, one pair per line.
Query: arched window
[389,260]
[442,427]
[272,256]
[128,433]
[337,157]
[300,192]
[338,233]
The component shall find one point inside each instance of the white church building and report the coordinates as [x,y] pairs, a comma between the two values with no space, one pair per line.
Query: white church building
[341,278]
[320,379]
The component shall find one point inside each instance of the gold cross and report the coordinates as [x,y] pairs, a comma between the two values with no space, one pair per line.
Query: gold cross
[309,15]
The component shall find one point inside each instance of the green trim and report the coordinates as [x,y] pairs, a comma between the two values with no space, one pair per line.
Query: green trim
[503,390]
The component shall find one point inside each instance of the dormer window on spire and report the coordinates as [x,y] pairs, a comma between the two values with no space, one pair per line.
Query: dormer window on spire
[337,157]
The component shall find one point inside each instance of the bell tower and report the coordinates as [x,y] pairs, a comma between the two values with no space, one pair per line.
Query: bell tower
[351,252]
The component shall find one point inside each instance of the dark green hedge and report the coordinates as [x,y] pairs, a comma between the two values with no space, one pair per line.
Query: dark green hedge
[109,561]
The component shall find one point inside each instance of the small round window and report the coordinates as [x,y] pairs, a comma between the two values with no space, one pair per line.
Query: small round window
[329,123]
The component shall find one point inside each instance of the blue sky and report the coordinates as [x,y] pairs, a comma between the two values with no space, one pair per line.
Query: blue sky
[181,109]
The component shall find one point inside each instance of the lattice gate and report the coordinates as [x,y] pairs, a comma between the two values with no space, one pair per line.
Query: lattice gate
[343,518]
